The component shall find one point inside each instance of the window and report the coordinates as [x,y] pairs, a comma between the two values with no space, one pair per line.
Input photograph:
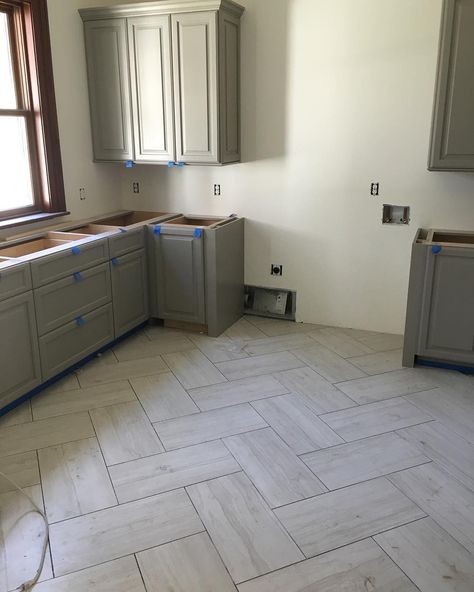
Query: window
[31,181]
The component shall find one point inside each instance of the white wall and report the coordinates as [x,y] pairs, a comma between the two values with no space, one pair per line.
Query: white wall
[335,95]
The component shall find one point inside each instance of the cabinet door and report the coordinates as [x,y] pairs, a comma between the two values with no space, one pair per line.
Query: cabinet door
[448,312]
[179,261]
[194,40]
[109,89]
[452,142]
[152,93]
[129,291]
[19,356]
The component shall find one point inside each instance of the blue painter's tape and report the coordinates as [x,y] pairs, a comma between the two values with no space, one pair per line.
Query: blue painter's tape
[436,249]
[123,230]
[180,165]
[115,261]
[129,164]
[80,322]
[157,230]
[171,164]
[76,250]
[78,276]
[197,233]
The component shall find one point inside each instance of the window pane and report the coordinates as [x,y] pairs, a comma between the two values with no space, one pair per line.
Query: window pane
[15,175]
[7,84]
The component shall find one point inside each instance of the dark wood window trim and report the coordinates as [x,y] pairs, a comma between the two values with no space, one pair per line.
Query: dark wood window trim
[31,45]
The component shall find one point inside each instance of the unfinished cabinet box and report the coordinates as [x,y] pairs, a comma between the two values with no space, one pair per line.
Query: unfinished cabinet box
[452,139]
[440,315]
[182,101]
[20,369]
[130,291]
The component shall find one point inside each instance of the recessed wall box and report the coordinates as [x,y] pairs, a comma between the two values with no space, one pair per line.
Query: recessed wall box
[396,214]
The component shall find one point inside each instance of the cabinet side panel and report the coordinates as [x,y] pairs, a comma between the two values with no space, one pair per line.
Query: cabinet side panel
[414,304]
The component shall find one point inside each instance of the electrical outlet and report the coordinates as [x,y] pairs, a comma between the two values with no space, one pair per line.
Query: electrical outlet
[217,190]
[136,187]
[277,270]
[375,189]
[82,193]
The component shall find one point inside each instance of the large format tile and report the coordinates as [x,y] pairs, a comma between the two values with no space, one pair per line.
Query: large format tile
[445,499]
[21,414]
[296,424]
[386,386]
[219,349]
[75,480]
[22,468]
[125,433]
[431,558]
[242,330]
[450,451]
[52,404]
[207,426]
[247,535]
[193,369]
[360,567]
[172,470]
[258,365]
[129,528]
[238,391]
[379,342]
[276,327]
[272,345]
[366,459]
[139,346]
[275,470]
[328,364]
[380,362]
[44,433]
[340,343]
[163,397]
[316,392]
[121,575]
[189,565]
[100,371]
[341,517]
[375,418]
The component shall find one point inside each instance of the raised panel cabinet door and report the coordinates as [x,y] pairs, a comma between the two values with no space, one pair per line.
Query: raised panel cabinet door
[179,262]
[152,93]
[129,291]
[109,89]
[20,370]
[447,331]
[194,42]
[452,141]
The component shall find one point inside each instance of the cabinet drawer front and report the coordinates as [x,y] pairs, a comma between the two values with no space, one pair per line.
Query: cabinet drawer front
[14,281]
[126,242]
[20,369]
[71,343]
[62,301]
[54,267]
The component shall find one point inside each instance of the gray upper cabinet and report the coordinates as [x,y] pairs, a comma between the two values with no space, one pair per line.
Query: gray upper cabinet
[164,81]
[452,140]
[109,84]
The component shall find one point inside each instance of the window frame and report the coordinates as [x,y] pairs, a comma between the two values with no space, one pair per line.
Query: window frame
[33,75]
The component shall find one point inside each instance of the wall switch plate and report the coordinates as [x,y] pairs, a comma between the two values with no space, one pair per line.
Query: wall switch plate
[375,189]
[136,187]
[277,270]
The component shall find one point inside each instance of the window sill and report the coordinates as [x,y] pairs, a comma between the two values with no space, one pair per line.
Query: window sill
[30,219]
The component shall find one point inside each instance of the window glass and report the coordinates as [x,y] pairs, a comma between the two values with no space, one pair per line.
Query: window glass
[7,84]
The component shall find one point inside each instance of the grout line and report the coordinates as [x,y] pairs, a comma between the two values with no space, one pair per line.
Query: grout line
[393,560]
[103,458]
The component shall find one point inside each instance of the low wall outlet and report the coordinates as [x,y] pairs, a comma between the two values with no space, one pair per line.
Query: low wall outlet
[375,189]
[136,187]
[217,190]
[277,270]
[82,193]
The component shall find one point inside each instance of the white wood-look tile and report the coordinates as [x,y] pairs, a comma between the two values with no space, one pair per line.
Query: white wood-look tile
[360,567]
[296,424]
[238,391]
[276,327]
[445,499]
[172,470]
[193,369]
[125,433]
[44,433]
[380,362]
[75,480]
[163,397]
[68,383]
[99,371]
[139,346]
[219,349]
[274,469]
[22,532]
[258,365]
[375,418]
[155,332]
[451,452]
[21,468]
[53,404]
[242,330]
[386,386]
[316,392]
[379,342]
[340,343]
[272,345]
[21,414]
[328,364]
[189,565]
[246,534]
[366,459]
[347,515]
[121,575]
[209,425]
[125,529]
[431,558]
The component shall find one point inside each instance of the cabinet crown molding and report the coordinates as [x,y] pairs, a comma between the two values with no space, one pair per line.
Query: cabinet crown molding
[156,7]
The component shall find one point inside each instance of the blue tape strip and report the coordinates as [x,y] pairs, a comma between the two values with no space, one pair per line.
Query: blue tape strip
[180,165]
[436,249]
[115,261]
[157,230]
[171,164]
[197,233]
[80,322]
[129,164]
[123,230]
[76,250]
[78,276]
